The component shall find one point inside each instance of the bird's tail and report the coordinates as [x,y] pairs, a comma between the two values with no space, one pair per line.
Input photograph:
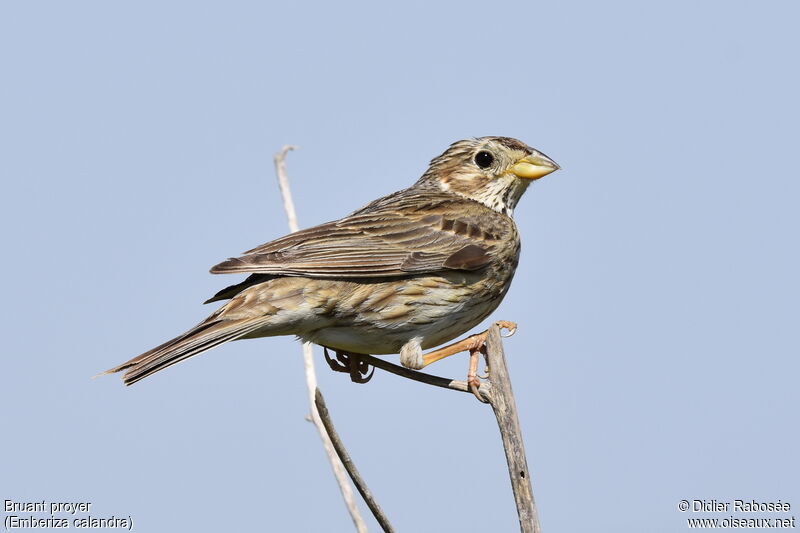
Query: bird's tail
[206,335]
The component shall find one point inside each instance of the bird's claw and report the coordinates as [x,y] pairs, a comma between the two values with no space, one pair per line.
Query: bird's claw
[474,387]
[505,324]
[335,363]
[349,363]
[360,370]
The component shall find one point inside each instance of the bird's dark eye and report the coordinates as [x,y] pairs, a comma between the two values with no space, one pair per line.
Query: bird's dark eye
[484,159]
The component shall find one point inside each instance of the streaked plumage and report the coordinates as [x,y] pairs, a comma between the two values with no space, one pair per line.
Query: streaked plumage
[407,272]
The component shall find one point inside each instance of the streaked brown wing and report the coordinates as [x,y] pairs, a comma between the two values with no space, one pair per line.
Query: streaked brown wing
[377,243]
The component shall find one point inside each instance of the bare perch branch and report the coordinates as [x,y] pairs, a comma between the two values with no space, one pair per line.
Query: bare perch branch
[502,401]
[283,183]
[422,377]
[308,362]
[358,481]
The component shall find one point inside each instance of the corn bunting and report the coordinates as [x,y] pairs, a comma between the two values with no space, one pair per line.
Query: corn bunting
[407,272]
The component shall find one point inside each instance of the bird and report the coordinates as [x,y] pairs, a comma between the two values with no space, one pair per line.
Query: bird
[407,272]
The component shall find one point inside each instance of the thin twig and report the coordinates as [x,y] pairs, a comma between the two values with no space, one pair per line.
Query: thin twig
[283,184]
[501,398]
[422,377]
[308,362]
[358,481]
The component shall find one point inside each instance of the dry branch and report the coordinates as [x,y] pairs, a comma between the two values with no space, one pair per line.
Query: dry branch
[358,481]
[501,398]
[422,377]
[308,362]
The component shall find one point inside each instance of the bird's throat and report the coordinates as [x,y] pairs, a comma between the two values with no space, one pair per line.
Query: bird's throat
[500,194]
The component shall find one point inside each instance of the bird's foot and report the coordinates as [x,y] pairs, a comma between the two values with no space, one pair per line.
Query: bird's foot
[475,345]
[349,363]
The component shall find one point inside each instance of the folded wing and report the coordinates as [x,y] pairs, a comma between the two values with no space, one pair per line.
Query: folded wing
[382,243]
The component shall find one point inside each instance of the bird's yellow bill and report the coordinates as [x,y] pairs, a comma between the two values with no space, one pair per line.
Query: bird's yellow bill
[534,167]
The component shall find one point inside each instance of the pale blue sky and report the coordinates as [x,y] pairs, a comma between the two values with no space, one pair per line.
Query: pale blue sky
[657,294]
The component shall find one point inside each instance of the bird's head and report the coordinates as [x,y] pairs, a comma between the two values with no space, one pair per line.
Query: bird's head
[494,171]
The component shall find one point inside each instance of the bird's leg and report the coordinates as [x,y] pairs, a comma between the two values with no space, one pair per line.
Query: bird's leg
[349,363]
[472,375]
[472,342]
[475,345]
